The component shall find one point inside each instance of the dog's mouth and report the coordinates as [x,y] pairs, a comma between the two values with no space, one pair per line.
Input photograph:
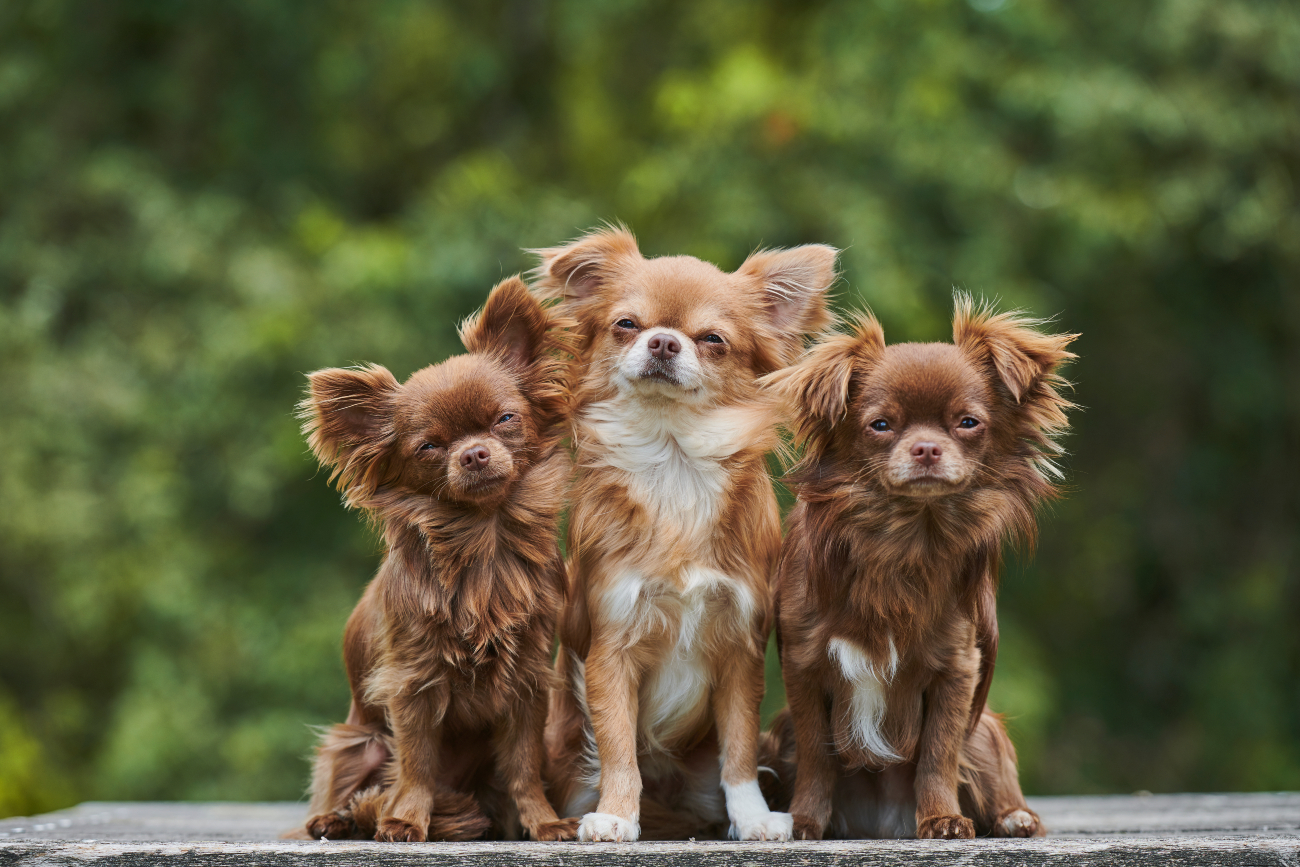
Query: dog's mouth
[482,480]
[924,487]
[656,371]
[475,486]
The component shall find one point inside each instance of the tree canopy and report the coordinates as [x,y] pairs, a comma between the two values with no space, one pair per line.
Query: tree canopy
[199,202]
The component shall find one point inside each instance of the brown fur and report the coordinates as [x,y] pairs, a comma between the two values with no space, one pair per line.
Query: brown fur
[889,570]
[448,651]
[673,532]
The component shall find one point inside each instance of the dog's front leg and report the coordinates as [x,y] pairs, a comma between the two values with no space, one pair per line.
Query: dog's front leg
[736,700]
[943,734]
[612,684]
[814,779]
[519,758]
[416,716]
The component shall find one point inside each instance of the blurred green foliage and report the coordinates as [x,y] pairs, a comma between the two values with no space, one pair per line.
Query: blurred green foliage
[199,202]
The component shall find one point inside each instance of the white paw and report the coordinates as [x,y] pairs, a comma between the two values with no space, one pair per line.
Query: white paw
[764,826]
[1018,823]
[607,828]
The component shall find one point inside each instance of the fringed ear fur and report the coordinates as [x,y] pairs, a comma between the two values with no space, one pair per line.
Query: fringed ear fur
[1025,361]
[512,324]
[578,270]
[1023,356]
[793,284]
[348,421]
[532,338]
[815,391]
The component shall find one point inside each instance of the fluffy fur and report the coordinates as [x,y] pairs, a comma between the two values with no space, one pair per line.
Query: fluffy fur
[921,462]
[673,533]
[448,652]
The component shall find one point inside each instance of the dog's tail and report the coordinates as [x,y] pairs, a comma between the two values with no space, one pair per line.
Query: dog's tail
[776,762]
[662,822]
[456,817]
[349,758]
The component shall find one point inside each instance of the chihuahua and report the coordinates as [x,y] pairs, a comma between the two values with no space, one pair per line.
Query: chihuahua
[921,461]
[448,653]
[673,533]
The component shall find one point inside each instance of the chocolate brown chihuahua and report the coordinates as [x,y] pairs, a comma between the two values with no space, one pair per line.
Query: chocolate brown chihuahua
[448,653]
[921,461]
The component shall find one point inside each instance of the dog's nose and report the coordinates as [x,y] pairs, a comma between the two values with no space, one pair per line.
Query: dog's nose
[475,458]
[926,454]
[663,346]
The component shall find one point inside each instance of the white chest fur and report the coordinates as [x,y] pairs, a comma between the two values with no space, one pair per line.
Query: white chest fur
[691,621]
[671,455]
[867,682]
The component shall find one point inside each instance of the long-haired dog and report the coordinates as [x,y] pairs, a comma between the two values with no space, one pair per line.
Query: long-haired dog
[673,533]
[448,653]
[921,461]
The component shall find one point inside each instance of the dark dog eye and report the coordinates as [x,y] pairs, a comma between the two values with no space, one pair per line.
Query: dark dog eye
[712,338]
[625,323]
[969,422]
[880,424]
[427,447]
[505,418]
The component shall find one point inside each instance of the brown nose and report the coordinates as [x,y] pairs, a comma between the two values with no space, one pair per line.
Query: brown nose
[663,346]
[475,458]
[926,454]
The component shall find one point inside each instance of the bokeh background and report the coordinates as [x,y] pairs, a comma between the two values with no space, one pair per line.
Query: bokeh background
[199,202]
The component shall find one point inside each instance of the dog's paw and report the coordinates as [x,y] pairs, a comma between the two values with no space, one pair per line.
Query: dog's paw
[770,826]
[1018,823]
[607,828]
[329,826]
[559,831]
[805,828]
[393,830]
[945,828]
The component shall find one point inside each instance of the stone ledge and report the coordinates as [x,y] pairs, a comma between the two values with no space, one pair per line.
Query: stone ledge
[1260,828]
[1180,850]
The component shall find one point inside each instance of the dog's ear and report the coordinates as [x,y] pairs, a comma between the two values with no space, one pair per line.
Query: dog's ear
[348,420]
[793,286]
[579,269]
[512,324]
[1025,362]
[1023,357]
[532,339]
[815,391]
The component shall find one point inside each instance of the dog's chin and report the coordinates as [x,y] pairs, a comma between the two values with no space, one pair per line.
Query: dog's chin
[480,489]
[660,375]
[925,487]
[657,382]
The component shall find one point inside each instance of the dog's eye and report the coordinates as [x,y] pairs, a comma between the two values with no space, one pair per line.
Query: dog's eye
[505,418]
[427,447]
[625,323]
[880,424]
[969,422]
[711,338]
